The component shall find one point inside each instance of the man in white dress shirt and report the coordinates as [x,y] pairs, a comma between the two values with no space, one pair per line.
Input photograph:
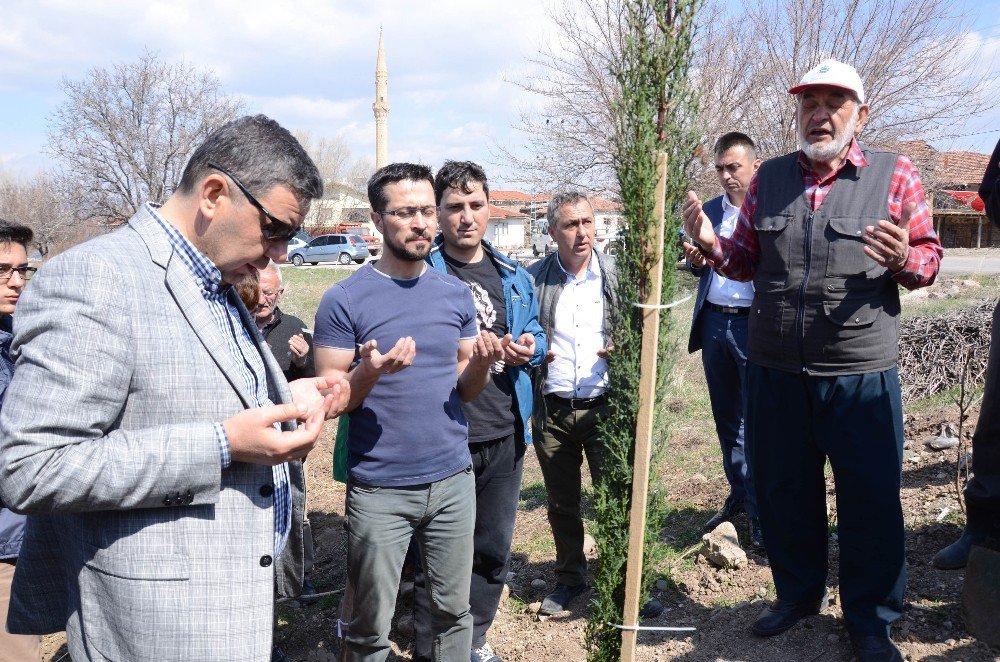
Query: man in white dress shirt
[719,330]
[575,288]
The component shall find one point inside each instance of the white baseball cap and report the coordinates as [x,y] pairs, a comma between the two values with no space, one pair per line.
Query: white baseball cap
[834,74]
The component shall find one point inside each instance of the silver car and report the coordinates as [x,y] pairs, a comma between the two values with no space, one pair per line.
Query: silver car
[341,248]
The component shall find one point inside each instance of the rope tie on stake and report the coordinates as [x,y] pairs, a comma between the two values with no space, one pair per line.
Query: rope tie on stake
[661,306]
[656,628]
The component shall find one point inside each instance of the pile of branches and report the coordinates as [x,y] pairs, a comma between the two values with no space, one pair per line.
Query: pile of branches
[933,351]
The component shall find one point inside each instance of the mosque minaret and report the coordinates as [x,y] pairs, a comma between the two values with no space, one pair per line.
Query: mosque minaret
[381,108]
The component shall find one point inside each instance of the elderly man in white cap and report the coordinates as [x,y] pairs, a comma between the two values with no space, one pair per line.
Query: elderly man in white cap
[826,234]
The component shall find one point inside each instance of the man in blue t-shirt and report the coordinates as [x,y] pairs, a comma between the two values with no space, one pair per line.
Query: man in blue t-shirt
[409,465]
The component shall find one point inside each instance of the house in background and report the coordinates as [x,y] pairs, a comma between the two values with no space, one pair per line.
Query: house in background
[959,213]
[341,203]
[951,181]
[506,227]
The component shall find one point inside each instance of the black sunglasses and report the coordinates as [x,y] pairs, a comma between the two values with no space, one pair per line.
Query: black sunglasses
[276,230]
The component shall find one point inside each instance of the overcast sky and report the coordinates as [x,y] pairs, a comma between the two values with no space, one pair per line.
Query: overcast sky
[310,65]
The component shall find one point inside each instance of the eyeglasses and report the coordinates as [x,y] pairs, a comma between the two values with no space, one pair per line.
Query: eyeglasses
[7,272]
[406,213]
[277,230]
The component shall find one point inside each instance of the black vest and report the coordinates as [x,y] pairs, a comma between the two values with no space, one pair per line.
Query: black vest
[821,305]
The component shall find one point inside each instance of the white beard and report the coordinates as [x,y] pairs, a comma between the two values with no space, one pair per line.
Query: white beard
[828,151]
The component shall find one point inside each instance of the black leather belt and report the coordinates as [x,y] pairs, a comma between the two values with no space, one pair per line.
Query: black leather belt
[579,403]
[728,310]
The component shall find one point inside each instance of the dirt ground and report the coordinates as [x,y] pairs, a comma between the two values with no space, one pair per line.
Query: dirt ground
[720,604]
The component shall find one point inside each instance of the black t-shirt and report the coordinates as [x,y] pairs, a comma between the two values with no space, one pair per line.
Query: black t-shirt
[491,414]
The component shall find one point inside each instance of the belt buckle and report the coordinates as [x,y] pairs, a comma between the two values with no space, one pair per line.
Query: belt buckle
[573,401]
[731,310]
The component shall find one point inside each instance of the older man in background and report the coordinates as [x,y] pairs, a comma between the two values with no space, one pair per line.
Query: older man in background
[288,336]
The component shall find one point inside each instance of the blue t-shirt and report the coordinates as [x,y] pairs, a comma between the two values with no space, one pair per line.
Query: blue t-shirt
[410,429]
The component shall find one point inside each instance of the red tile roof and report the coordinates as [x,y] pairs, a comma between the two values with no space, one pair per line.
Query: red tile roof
[500,212]
[962,168]
[603,205]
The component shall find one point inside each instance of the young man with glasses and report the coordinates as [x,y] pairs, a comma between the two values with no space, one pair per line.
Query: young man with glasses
[153,431]
[14,275]
[406,338]
[498,417]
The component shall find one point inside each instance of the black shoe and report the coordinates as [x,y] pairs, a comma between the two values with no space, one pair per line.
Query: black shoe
[558,600]
[651,609]
[730,509]
[781,615]
[278,655]
[956,555]
[306,597]
[875,648]
[756,537]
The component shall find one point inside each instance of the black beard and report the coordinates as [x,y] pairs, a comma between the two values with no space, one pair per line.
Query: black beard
[401,252]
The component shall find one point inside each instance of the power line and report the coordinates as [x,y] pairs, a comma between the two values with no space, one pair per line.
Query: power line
[963,135]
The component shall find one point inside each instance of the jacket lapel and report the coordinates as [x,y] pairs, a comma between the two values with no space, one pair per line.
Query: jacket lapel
[188,297]
[277,384]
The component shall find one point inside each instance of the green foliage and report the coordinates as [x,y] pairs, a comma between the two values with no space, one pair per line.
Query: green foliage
[655,115]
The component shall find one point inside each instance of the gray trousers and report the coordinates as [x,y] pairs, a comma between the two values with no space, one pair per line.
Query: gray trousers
[380,523]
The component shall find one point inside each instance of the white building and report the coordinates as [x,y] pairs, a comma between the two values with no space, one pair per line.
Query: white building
[506,228]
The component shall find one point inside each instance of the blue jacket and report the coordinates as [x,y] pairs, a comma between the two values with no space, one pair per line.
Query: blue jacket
[522,317]
[11,524]
[713,209]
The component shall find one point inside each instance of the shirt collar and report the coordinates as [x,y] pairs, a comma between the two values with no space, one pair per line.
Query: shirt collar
[207,275]
[855,155]
[727,205]
[593,269]
[275,320]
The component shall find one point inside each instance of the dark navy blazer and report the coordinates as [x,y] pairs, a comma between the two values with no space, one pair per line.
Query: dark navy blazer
[713,209]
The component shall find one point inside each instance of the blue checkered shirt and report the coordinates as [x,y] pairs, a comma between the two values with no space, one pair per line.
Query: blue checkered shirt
[241,341]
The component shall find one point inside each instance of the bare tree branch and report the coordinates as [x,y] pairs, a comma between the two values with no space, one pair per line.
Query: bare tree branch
[917,79]
[123,134]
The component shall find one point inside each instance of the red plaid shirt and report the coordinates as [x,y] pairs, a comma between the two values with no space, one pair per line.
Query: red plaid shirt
[737,257]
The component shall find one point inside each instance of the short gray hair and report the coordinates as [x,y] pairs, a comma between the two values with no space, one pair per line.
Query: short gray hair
[562,199]
[273,266]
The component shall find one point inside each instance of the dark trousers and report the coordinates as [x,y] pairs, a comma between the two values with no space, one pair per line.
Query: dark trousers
[497,465]
[724,357]
[796,421]
[982,495]
[569,434]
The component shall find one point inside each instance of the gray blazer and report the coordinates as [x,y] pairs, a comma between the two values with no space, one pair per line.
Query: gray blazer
[138,544]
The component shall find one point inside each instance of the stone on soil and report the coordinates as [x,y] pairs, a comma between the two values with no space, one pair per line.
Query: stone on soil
[722,547]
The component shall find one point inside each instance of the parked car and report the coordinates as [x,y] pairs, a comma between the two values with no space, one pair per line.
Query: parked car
[301,240]
[341,248]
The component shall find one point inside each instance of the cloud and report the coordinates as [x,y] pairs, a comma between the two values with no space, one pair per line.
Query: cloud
[310,65]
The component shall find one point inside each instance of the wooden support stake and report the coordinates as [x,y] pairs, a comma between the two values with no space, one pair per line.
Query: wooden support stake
[644,422]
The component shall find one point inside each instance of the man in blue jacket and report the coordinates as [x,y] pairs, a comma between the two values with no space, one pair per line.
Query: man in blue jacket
[499,417]
[719,330]
[14,273]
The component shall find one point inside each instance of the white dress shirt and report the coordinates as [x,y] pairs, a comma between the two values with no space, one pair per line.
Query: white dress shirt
[723,291]
[577,336]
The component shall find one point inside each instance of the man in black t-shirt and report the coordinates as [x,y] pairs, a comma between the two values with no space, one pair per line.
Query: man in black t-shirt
[499,416]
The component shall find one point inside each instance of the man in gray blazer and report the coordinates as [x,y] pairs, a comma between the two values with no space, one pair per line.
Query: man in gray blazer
[153,426]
